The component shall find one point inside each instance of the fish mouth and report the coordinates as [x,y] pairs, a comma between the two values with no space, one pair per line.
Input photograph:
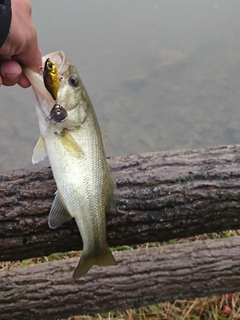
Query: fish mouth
[61,62]
[60,59]
[36,78]
[44,100]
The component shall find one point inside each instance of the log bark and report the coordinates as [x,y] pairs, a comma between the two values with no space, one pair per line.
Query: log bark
[161,196]
[142,277]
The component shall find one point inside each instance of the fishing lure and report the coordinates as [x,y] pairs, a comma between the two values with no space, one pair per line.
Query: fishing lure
[57,114]
[51,78]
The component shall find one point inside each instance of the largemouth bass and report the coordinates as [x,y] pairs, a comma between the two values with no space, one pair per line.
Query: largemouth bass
[75,147]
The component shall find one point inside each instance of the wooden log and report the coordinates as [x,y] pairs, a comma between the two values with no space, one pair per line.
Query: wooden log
[142,277]
[161,196]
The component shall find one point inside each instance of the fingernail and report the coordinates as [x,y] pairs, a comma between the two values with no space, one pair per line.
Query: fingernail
[11,75]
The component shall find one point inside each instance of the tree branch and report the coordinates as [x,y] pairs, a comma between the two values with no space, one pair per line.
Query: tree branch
[161,196]
[142,277]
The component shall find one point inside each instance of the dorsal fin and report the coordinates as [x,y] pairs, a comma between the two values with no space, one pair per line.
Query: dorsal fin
[104,138]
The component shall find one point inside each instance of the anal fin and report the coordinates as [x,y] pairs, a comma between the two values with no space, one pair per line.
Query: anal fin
[58,213]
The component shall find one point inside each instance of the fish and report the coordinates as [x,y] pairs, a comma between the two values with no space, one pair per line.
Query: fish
[75,148]
[51,78]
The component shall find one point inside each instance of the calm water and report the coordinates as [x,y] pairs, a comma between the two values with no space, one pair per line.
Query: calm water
[161,74]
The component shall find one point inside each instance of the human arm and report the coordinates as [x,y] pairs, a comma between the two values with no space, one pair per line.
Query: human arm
[20,47]
[5,19]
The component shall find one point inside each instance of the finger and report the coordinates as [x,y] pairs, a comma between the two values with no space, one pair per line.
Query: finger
[31,57]
[10,73]
[24,82]
[10,69]
[9,82]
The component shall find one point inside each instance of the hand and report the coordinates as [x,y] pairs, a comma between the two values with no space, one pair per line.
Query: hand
[20,48]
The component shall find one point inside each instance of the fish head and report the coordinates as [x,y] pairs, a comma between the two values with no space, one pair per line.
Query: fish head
[70,109]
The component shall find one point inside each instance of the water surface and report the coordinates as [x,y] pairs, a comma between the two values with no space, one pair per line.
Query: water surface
[161,74]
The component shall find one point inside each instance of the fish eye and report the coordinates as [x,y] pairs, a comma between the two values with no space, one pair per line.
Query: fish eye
[73,81]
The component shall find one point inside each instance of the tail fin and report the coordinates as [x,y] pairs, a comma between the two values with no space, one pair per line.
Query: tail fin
[104,258]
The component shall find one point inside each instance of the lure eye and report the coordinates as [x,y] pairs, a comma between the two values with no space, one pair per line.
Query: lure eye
[73,81]
[58,113]
[49,65]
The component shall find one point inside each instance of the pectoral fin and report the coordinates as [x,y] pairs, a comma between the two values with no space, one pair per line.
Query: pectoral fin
[58,213]
[70,144]
[39,151]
